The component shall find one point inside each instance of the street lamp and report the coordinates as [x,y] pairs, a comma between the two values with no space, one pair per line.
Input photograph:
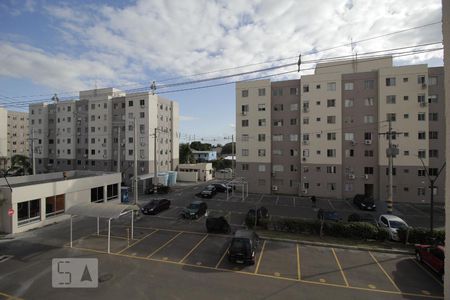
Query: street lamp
[432,182]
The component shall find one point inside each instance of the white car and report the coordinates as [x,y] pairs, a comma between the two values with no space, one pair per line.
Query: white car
[392,224]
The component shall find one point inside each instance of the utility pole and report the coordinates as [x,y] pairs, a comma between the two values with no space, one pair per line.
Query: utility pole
[118,151]
[391,152]
[33,157]
[136,182]
[233,157]
[432,186]
[155,164]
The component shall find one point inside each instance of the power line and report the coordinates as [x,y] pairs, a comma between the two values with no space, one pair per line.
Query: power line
[259,63]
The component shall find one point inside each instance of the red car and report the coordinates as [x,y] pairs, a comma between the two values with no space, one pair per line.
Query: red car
[433,256]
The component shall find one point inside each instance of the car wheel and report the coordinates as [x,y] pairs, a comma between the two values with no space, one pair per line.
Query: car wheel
[418,256]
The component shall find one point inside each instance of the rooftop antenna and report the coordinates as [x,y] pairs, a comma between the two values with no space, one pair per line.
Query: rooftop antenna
[153,87]
[355,54]
[55,98]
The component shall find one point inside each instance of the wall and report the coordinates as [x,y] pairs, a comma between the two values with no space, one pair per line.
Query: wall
[187,176]
[3,132]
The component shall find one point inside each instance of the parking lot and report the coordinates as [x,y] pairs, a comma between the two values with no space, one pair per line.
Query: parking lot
[370,272]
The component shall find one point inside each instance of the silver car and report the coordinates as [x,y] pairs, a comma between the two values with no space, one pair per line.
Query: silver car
[392,224]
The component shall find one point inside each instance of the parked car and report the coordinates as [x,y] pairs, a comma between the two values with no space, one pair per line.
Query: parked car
[392,224]
[433,256]
[261,213]
[243,247]
[328,215]
[208,192]
[217,224]
[155,206]
[367,218]
[194,210]
[221,187]
[160,189]
[364,202]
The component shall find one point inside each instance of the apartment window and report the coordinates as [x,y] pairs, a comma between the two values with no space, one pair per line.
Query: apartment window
[368,101]
[421,135]
[369,84]
[390,81]
[293,121]
[331,186]
[244,138]
[277,137]
[305,106]
[277,152]
[433,153]
[331,169]
[261,92]
[318,103]
[405,79]
[420,191]
[294,107]
[305,120]
[261,182]
[348,86]
[349,136]
[261,168]
[306,137]
[142,103]
[433,171]
[394,171]
[244,152]
[368,153]
[244,109]
[433,116]
[262,122]
[261,137]
[349,153]
[421,154]
[433,135]
[261,152]
[432,99]
[331,103]
[142,114]
[142,128]
[331,136]
[348,102]
[93,151]
[390,99]
[293,91]
[261,107]
[331,119]
[93,129]
[278,168]
[331,86]
[130,140]
[391,117]
[368,170]
[277,92]
[405,116]
[293,137]
[130,103]
[244,93]
[368,119]
[293,152]
[244,123]
[432,80]
[406,153]
[278,123]
[244,167]
[305,88]
[331,152]
[421,79]
[28,211]
[278,107]
[367,135]
[421,116]
[93,106]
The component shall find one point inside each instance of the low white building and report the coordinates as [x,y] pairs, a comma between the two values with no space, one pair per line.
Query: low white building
[37,200]
[195,172]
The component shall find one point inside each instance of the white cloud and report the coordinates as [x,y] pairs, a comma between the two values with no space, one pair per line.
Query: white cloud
[185,37]
[188,118]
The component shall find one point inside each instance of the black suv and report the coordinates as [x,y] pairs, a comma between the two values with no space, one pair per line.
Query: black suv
[243,246]
[155,206]
[221,187]
[364,202]
[194,210]
[217,224]
[208,192]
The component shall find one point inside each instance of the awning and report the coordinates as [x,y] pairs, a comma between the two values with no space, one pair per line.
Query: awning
[101,210]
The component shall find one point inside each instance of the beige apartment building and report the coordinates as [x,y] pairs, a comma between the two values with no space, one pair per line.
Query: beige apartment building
[96,133]
[326,134]
[14,139]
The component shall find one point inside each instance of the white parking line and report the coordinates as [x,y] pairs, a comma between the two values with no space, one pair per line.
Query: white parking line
[293,200]
[276,201]
[260,198]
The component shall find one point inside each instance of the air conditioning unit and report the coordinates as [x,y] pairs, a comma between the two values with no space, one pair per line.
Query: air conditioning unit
[78,133]
[142,106]
[142,144]
[424,85]
[352,142]
[85,155]
[305,143]
[305,109]
[274,188]
[103,145]
[304,158]
[366,176]
[104,156]
[142,156]
[244,113]
[351,176]
[368,142]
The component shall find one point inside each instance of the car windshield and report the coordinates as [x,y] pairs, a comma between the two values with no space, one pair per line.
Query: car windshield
[396,224]
[331,214]
[193,206]
[239,244]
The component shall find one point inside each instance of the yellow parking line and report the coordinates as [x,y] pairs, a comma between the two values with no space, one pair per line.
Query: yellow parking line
[384,271]
[428,272]
[138,241]
[268,276]
[195,247]
[222,257]
[10,296]
[298,264]
[260,256]
[112,236]
[340,267]
[165,244]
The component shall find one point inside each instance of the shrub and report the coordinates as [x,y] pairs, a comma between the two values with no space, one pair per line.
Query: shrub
[382,234]
[420,235]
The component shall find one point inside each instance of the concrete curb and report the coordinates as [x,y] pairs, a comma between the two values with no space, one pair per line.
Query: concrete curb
[330,245]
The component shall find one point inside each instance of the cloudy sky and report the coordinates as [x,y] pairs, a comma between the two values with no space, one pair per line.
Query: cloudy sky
[66,46]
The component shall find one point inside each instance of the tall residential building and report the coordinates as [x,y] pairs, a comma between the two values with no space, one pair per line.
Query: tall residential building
[13,136]
[326,134]
[88,133]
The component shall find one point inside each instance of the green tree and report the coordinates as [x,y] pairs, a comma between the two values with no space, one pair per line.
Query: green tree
[227,148]
[185,153]
[199,146]
[20,165]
